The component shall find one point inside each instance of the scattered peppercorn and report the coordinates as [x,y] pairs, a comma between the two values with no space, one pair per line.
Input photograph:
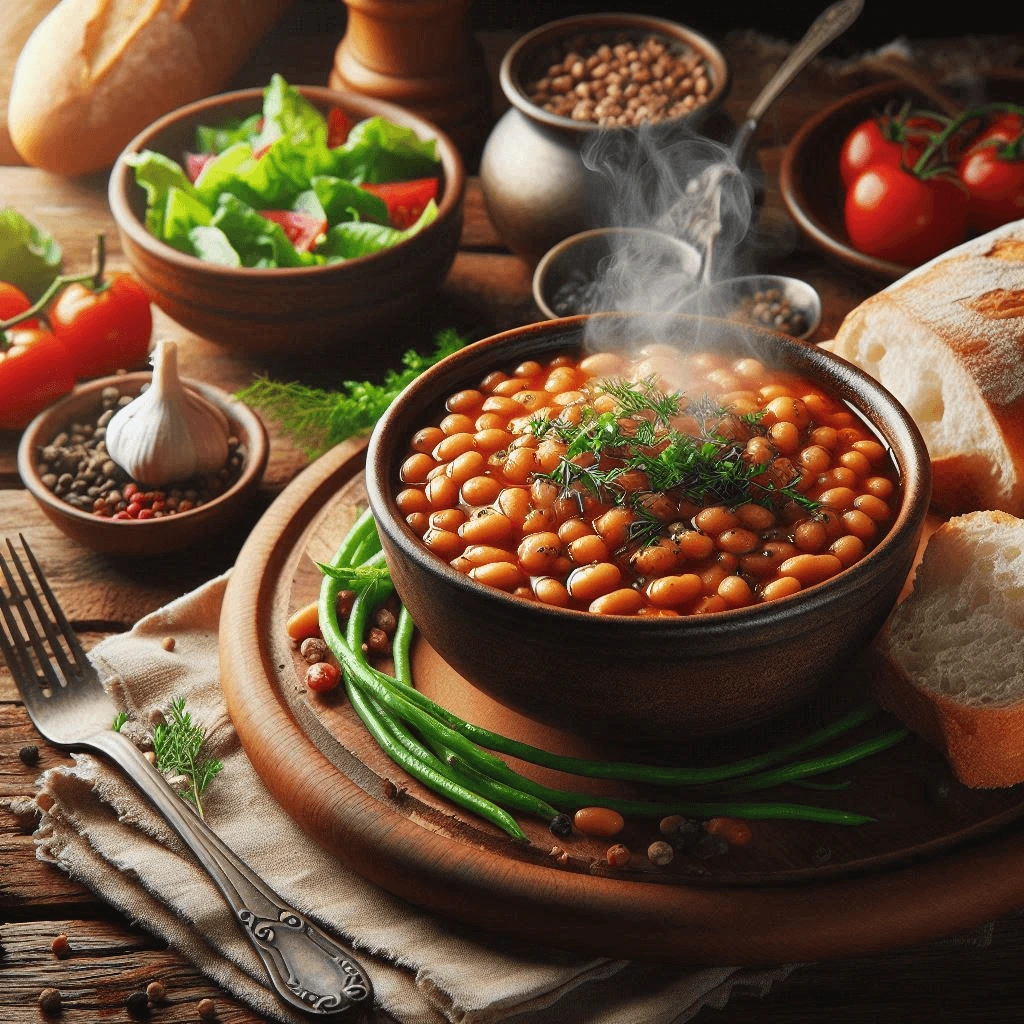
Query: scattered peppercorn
[49,1001]
[150,756]
[378,641]
[346,598]
[77,468]
[625,83]
[29,755]
[313,650]
[168,643]
[709,846]
[385,619]
[156,992]
[322,677]
[660,853]
[618,856]
[60,947]
[207,1009]
[137,1004]
[561,826]
[686,835]
[734,831]
[770,308]
[670,825]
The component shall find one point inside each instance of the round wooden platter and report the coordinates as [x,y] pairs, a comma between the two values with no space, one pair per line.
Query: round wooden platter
[939,857]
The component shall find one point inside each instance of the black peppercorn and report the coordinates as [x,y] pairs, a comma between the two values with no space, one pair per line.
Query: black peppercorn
[686,835]
[137,1004]
[709,846]
[561,826]
[29,754]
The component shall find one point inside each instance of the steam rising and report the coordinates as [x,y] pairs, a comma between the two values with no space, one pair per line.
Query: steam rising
[665,178]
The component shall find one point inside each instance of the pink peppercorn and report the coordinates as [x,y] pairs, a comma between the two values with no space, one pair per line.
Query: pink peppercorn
[146,513]
[122,515]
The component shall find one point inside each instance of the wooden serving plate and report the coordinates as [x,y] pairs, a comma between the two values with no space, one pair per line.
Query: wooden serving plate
[938,859]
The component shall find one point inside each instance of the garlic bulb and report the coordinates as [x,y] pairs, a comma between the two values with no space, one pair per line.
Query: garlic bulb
[168,434]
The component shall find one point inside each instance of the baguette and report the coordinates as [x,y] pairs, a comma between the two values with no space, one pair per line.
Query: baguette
[955,648]
[948,341]
[96,72]
[20,17]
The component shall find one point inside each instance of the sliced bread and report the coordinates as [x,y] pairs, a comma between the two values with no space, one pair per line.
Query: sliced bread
[955,649]
[948,341]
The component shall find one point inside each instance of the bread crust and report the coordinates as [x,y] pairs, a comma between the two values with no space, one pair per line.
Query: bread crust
[95,72]
[972,300]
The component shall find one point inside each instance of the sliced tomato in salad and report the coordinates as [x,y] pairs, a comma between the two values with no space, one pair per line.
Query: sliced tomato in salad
[405,200]
[338,126]
[302,229]
[196,163]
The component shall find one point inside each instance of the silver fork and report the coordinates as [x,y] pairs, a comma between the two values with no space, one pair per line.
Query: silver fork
[68,705]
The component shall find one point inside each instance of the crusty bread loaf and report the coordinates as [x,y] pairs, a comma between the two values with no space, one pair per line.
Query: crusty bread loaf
[20,17]
[948,341]
[956,649]
[96,72]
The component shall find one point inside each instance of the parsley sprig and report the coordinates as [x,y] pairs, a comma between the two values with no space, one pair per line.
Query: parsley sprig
[709,468]
[178,746]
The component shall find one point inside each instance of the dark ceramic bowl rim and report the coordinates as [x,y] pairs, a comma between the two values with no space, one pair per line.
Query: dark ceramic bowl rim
[838,245]
[744,279]
[915,479]
[255,440]
[508,74]
[122,181]
[540,272]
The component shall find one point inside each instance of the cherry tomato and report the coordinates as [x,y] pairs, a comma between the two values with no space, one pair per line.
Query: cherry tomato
[894,215]
[14,301]
[996,187]
[35,369]
[195,164]
[106,330]
[302,229]
[1005,128]
[338,126]
[405,200]
[883,140]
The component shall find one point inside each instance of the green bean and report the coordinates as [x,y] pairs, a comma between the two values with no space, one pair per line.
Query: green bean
[818,766]
[400,646]
[502,794]
[361,528]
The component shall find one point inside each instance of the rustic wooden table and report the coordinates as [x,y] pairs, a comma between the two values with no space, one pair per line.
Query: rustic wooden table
[487,290]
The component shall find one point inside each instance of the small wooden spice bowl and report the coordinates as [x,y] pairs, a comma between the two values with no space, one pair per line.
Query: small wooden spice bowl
[276,312]
[137,539]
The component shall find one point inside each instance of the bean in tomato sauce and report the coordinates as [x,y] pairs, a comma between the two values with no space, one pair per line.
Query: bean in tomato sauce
[672,485]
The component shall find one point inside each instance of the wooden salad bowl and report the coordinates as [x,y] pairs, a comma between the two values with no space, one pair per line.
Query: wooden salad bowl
[646,680]
[280,312]
[139,539]
[809,174]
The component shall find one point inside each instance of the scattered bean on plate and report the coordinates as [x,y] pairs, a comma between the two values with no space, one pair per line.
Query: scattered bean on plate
[618,856]
[770,308]
[624,81]
[76,467]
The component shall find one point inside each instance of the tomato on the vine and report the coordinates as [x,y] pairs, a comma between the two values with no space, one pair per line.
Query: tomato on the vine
[884,140]
[104,330]
[1005,128]
[995,182]
[35,369]
[895,215]
[14,301]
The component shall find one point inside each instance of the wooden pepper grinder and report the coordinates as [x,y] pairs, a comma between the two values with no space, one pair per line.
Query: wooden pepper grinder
[419,54]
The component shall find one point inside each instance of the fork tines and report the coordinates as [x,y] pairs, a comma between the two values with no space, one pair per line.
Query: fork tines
[28,627]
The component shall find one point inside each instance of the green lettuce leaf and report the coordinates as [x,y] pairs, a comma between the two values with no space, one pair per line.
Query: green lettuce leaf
[211,244]
[220,175]
[378,151]
[343,201]
[307,202]
[30,258]
[351,240]
[259,242]
[182,213]
[216,140]
[287,114]
[158,174]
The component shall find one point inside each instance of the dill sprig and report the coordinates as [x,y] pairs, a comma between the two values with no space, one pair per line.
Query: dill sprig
[643,396]
[120,721]
[178,745]
[317,419]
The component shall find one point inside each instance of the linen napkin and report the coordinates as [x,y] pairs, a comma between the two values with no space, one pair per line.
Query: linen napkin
[99,829]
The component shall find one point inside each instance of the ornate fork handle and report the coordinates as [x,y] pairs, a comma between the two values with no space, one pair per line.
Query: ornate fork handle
[308,968]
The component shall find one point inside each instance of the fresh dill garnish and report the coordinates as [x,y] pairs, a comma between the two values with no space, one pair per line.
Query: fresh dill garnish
[120,720]
[317,419]
[178,745]
[637,437]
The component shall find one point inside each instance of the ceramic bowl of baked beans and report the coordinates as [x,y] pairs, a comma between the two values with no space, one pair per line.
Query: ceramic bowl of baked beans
[647,542]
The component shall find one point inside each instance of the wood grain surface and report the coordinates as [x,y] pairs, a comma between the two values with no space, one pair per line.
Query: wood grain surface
[487,290]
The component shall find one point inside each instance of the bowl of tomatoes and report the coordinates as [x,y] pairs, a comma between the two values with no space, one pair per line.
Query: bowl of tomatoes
[883,184]
[275,238]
